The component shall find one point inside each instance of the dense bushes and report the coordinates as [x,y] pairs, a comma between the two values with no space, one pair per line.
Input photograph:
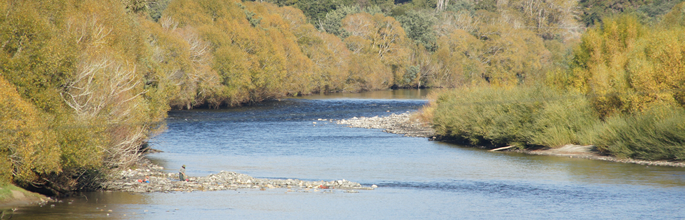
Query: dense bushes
[655,134]
[521,116]
[535,116]
[28,147]
[80,97]
[627,67]
[624,94]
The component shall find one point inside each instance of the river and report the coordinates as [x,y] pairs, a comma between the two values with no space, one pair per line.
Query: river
[416,178]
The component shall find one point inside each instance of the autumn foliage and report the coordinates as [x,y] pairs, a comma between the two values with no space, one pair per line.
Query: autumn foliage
[85,83]
[628,67]
[622,91]
[76,83]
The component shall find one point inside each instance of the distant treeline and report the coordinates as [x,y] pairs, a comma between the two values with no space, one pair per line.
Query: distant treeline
[85,83]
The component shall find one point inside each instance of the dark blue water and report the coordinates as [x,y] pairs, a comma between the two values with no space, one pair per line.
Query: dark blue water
[417,178]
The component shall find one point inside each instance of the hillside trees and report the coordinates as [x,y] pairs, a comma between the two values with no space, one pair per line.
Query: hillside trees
[628,68]
[622,92]
[379,51]
[548,19]
[595,11]
[332,22]
[80,63]
[184,61]
[513,36]
[457,61]
[487,48]
[419,26]
[27,147]
[250,46]
[327,52]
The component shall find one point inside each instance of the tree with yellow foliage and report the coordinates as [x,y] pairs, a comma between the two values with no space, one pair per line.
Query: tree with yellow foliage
[27,147]
[458,60]
[327,52]
[256,48]
[379,50]
[626,67]
[487,48]
[81,64]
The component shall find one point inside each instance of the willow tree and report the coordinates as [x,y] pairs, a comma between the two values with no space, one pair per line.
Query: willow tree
[28,148]
[184,63]
[325,51]
[549,19]
[379,48]
[627,67]
[82,65]
[487,47]
[255,52]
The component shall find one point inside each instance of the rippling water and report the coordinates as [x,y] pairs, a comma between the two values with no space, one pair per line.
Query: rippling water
[417,178]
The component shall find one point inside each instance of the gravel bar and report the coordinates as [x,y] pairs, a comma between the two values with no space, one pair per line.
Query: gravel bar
[394,123]
[133,180]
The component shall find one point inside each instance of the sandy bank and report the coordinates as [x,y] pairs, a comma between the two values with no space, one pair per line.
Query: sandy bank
[589,152]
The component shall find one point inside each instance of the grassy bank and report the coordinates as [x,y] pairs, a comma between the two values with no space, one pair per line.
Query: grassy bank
[530,117]
[11,196]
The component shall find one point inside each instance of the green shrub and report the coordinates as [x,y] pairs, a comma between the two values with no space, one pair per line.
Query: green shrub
[517,116]
[564,120]
[656,134]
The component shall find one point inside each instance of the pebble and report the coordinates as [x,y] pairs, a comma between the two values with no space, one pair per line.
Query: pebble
[394,123]
[161,181]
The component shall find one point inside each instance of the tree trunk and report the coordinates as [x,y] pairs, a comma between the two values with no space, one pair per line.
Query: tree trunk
[442,4]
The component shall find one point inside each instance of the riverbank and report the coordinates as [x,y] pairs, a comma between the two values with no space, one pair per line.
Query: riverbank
[404,125]
[12,196]
[148,177]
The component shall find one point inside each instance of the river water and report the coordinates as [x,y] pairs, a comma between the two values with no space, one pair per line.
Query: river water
[417,178]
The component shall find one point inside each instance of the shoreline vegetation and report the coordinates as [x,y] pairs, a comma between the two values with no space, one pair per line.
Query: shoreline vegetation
[410,126]
[85,84]
[551,119]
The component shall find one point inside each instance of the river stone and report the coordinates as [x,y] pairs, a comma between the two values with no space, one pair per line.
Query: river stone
[127,181]
[394,123]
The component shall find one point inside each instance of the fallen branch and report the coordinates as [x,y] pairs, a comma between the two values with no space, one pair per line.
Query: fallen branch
[503,148]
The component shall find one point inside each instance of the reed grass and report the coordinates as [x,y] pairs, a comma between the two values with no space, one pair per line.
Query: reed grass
[656,134]
[542,117]
[521,116]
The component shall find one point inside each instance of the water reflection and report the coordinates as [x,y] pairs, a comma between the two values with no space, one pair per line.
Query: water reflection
[553,168]
[93,205]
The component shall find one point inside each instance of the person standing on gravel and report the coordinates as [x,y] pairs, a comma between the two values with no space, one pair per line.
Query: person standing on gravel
[182,173]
